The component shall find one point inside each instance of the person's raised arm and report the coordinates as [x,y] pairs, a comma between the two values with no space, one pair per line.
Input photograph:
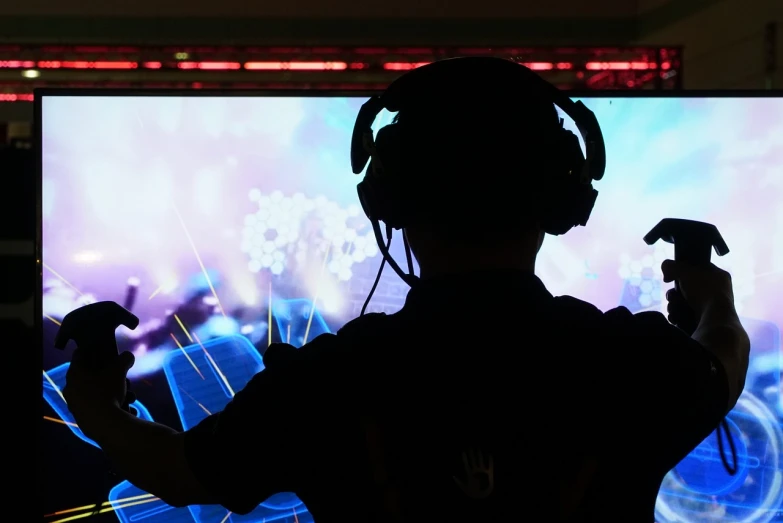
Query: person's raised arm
[685,382]
[259,444]
[707,292]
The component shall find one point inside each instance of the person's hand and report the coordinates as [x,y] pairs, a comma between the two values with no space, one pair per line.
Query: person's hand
[698,287]
[90,393]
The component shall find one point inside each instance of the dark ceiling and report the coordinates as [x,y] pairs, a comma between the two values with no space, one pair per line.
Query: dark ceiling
[339,22]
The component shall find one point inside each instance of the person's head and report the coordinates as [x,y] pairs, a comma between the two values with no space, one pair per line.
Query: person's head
[476,166]
[475,173]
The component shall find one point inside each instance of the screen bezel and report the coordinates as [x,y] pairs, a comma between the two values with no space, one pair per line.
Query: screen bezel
[40,93]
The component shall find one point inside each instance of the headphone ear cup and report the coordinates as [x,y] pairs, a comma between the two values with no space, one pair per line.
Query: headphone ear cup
[368,197]
[571,208]
[567,200]
[381,191]
[388,152]
[376,202]
[569,156]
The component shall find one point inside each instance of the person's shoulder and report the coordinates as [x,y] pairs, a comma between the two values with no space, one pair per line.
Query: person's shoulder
[645,328]
[325,346]
[568,306]
[364,325]
[617,320]
[621,318]
[280,355]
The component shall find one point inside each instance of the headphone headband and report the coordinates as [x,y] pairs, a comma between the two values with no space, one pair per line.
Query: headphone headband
[434,79]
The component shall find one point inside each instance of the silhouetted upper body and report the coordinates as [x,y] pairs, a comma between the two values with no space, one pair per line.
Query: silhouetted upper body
[578,410]
[485,398]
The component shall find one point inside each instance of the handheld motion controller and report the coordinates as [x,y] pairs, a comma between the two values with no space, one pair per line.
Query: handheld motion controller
[693,244]
[92,328]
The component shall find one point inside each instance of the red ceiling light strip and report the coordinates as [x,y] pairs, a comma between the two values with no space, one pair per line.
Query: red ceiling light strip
[81,64]
[403,66]
[296,66]
[549,66]
[17,64]
[305,66]
[202,67]
[624,66]
[210,66]
[16,97]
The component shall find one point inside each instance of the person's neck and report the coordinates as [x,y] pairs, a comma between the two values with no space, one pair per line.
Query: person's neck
[464,263]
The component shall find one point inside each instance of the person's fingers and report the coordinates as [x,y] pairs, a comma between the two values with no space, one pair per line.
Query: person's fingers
[134,411]
[670,270]
[126,361]
[678,307]
[130,397]
[678,311]
[675,301]
[675,296]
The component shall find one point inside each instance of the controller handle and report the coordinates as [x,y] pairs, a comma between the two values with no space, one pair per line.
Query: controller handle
[92,327]
[693,244]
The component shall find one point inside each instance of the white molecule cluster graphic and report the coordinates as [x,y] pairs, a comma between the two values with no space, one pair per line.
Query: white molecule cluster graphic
[646,273]
[359,248]
[284,233]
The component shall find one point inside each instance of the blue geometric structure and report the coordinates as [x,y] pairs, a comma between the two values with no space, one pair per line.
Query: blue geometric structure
[133,505]
[699,483]
[755,493]
[53,396]
[703,472]
[203,379]
[766,362]
[217,514]
[296,315]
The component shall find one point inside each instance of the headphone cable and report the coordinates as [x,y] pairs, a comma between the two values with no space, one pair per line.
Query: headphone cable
[724,428]
[384,253]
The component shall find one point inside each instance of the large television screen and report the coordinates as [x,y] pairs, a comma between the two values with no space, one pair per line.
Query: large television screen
[226,223]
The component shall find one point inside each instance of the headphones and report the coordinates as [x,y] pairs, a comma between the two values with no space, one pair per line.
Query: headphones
[567,197]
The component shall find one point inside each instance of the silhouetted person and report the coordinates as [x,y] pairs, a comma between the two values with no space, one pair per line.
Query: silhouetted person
[485,398]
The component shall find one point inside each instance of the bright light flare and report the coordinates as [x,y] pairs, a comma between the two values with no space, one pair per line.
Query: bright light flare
[103,509]
[243,284]
[198,258]
[87,257]
[167,282]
